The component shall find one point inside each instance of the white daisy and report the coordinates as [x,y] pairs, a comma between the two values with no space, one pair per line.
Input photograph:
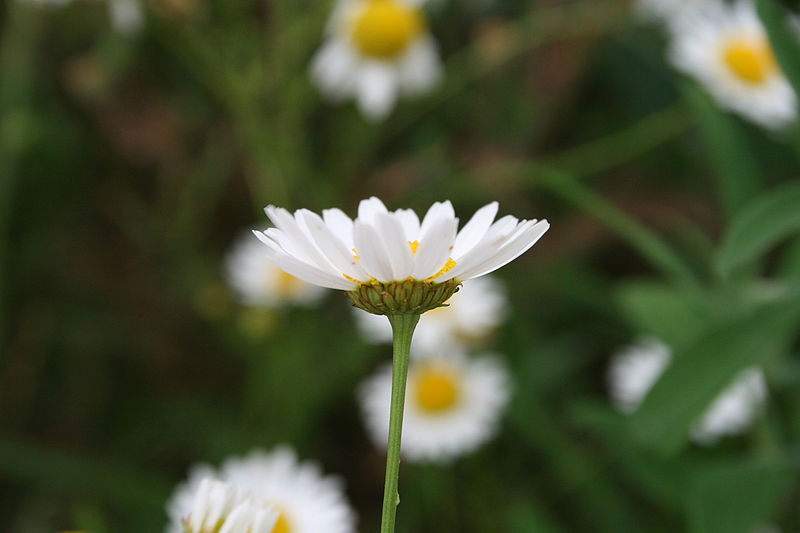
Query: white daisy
[470,317]
[391,261]
[634,371]
[306,501]
[725,47]
[376,50]
[453,405]
[216,506]
[258,282]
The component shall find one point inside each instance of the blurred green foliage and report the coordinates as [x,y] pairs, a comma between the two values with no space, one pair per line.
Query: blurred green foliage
[129,164]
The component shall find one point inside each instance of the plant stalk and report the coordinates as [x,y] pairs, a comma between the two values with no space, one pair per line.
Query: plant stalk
[402,330]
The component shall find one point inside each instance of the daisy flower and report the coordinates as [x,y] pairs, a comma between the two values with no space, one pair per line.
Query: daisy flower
[453,405]
[258,282]
[634,371]
[725,47]
[305,500]
[470,317]
[217,506]
[389,261]
[376,50]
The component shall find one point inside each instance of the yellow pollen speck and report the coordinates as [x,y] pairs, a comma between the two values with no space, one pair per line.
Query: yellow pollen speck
[450,265]
[384,28]
[282,525]
[414,246]
[752,61]
[436,389]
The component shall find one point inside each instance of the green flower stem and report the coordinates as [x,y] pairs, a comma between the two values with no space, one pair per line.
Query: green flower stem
[402,330]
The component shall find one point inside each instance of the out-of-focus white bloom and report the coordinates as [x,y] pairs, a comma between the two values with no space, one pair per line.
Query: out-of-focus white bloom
[218,507]
[306,501]
[258,282]
[635,370]
[725,47]
[387,246]
[376,51]
[666,10]
[471,316]
[127,16]
[453,405]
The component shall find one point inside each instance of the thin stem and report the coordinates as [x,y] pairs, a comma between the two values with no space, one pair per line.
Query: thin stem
[402,331]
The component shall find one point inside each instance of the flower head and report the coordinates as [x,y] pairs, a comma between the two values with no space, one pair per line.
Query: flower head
[470,317]
[389,261]
[725,47]
[635,370]
[453,405]
[217,507]
[258,282]
[376,50]
[304,499]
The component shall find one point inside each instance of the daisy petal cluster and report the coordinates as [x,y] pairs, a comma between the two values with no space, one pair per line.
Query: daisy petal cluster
[376,51]
[382,247]
[303,498]
[469,318]
[217,507]
[453,405]
[634,371]
[258,282]
[725,47]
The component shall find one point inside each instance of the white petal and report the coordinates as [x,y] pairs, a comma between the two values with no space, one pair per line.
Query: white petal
[369,208]
[374,258]
[301,270]
[340,224]
[474,230]
[435,248]
[298,241]
[495,237]
[333,68]
[515,247]
[333,248]
[394,239]
[437,210]
[376,89]
[420,67]
[410,222]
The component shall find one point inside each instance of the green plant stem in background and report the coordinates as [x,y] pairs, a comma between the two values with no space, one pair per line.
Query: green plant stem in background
[402,330]
[659,254]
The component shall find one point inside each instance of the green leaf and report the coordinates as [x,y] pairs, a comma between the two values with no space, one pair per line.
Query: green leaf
[736,498]
[767,220]
[736,169]
[783,38]
[661,311]
[704,368]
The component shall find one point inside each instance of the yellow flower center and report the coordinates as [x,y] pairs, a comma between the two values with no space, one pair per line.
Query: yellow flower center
[384,28]
[436,390]
[752,61]
[282,525]
[287,285]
